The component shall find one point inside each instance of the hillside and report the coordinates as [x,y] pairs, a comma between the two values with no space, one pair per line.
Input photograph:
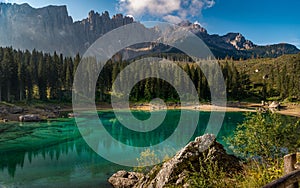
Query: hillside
[279,77]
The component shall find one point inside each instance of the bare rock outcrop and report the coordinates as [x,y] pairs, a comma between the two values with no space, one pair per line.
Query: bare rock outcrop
[123,179]
[175,171]
[52,29]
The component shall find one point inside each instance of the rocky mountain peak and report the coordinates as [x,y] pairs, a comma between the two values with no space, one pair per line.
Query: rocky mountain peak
[238,41]
[193,27]
[52,29]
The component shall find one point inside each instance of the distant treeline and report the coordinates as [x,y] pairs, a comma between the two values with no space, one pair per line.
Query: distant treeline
[25,76]
[153,87]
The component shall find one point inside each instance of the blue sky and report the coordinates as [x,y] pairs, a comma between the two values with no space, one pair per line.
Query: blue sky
[261,21]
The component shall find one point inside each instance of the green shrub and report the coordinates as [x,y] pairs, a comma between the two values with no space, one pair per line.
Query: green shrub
[262,140]
[265,135]
[210,174]
[259,174]
[147,158]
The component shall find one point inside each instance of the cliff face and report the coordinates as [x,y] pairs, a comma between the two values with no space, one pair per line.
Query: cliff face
[91,28]
[52,29]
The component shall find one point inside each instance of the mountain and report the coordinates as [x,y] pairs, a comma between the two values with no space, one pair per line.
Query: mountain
[235,44]
[51,29]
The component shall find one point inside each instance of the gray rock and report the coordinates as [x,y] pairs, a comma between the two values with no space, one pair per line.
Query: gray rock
[51,28]
[175,171]
[123,179]
[29,118]
[238,41]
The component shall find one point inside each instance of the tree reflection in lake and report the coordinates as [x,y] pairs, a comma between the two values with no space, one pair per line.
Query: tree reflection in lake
[40,154]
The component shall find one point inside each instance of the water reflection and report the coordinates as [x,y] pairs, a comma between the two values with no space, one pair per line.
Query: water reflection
[54,153]
[16,159]
[66,164]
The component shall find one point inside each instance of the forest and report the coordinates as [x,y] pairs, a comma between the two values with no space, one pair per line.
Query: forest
[27,76]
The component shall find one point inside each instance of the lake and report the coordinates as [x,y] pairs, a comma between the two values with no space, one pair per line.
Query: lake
[53,153]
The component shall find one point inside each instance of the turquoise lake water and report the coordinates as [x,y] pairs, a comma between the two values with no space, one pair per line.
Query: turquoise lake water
[53,153]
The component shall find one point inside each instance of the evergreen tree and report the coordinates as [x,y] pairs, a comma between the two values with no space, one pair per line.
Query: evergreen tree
[1,74]
[42,79]
[284,83]
[69,74]
[21,75]
[33,66]
[77,60]
[8,71]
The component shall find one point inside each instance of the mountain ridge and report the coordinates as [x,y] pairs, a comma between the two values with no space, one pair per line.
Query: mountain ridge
[237,46]
[51,29]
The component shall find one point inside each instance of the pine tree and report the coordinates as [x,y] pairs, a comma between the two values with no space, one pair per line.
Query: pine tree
[1,76]
[42,78]
[56,68]
[8,71]
[21,75]
[69,74]
[284,83]
[77,60]
[147,90]
[33,66]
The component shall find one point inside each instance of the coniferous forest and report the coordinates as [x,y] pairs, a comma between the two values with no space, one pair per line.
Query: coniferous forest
[35,75]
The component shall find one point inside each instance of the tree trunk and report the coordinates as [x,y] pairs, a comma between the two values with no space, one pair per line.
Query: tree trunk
[21,91]
[0,93]
[8,91]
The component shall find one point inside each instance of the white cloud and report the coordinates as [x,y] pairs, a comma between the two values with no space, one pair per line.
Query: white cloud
[197,23]
[130,16]
[13,1]
[152,7]
[172,19]
[169,10]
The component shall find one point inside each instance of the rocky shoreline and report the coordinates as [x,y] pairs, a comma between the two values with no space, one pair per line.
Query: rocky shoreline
[175,172]
[9,112]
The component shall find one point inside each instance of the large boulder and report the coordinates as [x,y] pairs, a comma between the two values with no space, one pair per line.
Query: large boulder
[175,171]
[29,118]
[123,179]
